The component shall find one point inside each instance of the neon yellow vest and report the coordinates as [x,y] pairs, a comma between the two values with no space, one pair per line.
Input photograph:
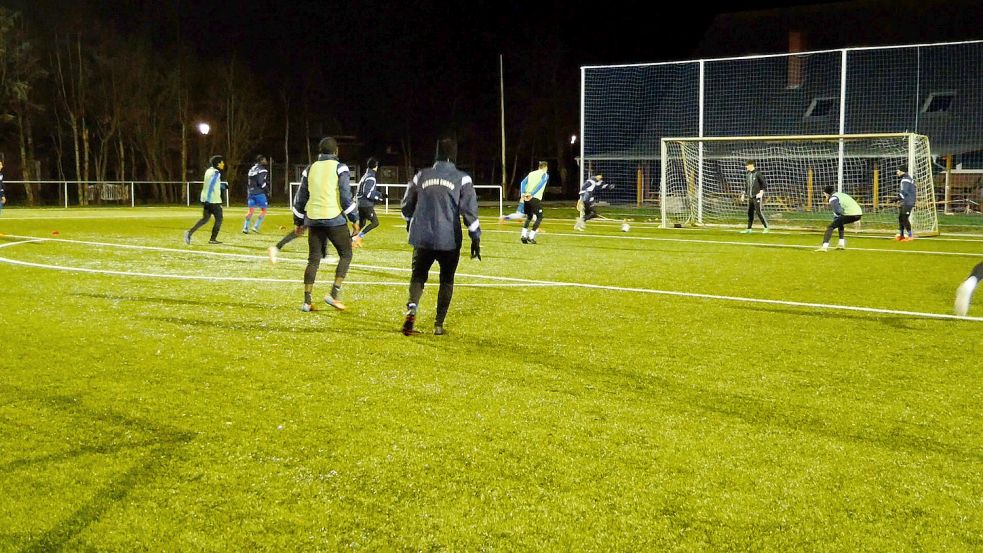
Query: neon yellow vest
[211,189]
[849,205]
[322,184]
[532,181]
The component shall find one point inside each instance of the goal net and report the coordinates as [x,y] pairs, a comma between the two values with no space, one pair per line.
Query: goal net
[703,179]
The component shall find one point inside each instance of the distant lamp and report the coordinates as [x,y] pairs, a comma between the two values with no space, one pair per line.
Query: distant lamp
[573,139]
[203,128]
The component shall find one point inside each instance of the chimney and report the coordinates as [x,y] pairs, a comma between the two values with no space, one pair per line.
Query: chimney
[795,44]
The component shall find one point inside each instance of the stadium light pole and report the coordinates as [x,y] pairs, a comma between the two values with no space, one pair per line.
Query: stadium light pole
[203,130]
[501,87]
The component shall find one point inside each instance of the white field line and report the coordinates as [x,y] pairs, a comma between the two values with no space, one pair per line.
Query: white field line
[736,243]
[514,280]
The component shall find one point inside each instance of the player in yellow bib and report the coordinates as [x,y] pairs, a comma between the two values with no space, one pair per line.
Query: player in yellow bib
[846,210]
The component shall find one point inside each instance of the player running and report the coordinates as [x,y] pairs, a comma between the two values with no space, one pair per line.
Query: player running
[211,200]
[532,189]
[368,195]
[259,188]
[964,294]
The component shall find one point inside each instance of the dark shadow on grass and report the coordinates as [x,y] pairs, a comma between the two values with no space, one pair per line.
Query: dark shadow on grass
[896,321]
[754,411]
[163,440]
[322,316]
[174,301]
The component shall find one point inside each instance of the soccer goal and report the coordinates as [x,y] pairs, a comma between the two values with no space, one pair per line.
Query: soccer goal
[703,178]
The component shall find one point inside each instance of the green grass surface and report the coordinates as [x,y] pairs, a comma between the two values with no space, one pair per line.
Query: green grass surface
[147,413]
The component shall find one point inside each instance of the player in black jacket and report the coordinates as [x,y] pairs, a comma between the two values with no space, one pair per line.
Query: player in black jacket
[368,195]
[435,202]
[755,189]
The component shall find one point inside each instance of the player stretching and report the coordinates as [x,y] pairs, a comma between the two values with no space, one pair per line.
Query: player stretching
[965,291]
[532,188]
[368,195]
[755,189]
[585,204]
[259,187]
[845,210]
[324,201]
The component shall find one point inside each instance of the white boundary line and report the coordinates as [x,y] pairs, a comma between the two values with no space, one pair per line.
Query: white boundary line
[735,243]
[518,281]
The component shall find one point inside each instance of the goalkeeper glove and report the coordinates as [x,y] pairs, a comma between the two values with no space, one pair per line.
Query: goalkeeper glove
[476,248]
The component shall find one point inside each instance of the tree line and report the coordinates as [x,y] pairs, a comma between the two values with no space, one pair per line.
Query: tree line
[91,104]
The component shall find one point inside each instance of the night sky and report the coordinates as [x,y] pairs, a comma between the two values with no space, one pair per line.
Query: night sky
[389,69]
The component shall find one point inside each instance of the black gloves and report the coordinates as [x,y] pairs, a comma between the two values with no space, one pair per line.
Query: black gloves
[476,248]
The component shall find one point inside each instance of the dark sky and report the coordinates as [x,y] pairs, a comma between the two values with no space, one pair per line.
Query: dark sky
[371,62]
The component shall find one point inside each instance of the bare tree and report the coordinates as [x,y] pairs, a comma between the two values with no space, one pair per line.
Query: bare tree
[245,117]
[69,71]
[20,72]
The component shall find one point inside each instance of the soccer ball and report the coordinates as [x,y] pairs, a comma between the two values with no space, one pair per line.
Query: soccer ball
[625,227]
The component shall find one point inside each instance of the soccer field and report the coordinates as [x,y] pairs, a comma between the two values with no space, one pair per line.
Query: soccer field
[651,390]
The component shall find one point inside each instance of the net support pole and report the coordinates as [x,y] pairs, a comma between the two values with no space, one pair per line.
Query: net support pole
[664,153]
[877,182]
[839,170]
[699,161]
[66,195]
[133,201]
[947,207]
[809,188]
[187,193]
[501,202]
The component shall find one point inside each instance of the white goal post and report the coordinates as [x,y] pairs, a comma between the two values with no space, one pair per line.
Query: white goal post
[702,178]
[395,192]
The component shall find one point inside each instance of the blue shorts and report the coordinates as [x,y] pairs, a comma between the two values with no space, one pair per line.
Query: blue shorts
[257,200]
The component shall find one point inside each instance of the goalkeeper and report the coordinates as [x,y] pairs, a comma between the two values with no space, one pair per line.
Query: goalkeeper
[755,190]
[906,195]
[435,202]
[585,204]
[845,210]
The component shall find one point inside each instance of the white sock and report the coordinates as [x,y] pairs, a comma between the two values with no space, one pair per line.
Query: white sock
[525,233]
[825,245]
[842,243]
[532,234]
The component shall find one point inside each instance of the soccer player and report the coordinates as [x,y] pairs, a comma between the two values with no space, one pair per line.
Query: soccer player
[532,189]
[368,195]
[907,196]
[324,201]
[259,188]
[965,291]
[585,203]
[755,189]
[3,194]
[845,210]
[211,200]
[435,202]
